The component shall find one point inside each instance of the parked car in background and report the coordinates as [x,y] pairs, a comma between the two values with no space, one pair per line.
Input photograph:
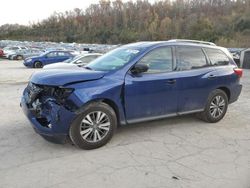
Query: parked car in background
[12,49]
[23,54]
[133,83]
[47,58]
[77,61]
[1,53]
[236,52]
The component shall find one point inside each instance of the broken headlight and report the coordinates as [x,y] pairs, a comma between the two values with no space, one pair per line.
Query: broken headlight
[62,93]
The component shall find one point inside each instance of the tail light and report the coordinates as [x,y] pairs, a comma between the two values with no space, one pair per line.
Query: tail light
[239,72]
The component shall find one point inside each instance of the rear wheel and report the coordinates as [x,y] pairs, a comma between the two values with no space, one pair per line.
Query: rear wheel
[216,107]
[94,127]
[38,64]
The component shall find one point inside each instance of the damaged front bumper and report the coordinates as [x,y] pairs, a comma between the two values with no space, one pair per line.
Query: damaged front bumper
[49,119]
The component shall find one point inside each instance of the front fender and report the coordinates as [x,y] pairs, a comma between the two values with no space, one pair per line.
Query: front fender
[99,90]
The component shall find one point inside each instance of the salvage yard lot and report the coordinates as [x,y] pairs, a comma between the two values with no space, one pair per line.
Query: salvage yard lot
[175,152]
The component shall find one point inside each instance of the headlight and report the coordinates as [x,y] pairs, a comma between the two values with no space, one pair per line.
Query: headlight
[63,93]
[28,60]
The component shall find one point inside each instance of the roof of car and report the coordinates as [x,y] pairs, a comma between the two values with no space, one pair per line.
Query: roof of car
[192,41]
[146,44]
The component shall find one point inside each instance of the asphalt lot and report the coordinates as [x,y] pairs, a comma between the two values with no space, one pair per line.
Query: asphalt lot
[175,152]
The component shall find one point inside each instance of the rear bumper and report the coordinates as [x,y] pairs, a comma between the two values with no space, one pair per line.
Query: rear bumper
[235,93]
[58,121]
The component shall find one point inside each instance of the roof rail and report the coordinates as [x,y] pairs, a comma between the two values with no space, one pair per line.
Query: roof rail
[192,41]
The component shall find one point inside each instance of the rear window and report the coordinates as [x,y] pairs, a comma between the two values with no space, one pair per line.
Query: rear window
[190,58]
[217,57]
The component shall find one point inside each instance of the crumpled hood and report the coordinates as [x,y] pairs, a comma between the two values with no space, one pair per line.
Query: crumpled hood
[60,77]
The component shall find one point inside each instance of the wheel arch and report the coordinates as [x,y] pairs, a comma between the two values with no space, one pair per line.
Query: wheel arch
[109,102]
[226,90]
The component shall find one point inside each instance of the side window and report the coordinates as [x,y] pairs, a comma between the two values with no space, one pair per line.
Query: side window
[158,60]
[14,48]
[217,57]
[61,54]
[190,58]
[52,54]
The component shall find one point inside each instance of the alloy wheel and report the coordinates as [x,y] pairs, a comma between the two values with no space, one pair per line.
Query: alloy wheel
[95,126]
[217,106]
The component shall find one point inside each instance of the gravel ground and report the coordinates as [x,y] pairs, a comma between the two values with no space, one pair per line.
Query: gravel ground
[175,152]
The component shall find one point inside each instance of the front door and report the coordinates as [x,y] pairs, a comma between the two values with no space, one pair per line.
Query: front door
[152,94]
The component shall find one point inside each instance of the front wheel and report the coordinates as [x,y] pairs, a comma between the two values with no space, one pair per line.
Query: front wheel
[38,64]
[216,107]
[94,127]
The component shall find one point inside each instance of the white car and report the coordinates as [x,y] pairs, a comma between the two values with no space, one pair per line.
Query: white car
[76,62]
[9,50]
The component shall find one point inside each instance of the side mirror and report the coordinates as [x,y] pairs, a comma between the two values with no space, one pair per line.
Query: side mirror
[139,68]
[78,62]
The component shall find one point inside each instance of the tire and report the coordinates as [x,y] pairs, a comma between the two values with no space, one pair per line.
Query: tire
[84,135]
[38,64]
[19,57]
[216,107]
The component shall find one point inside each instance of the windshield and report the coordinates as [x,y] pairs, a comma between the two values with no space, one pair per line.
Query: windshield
[113,60]
[44,53]
[71,60]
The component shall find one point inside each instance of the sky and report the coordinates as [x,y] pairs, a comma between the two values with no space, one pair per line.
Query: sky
[26,11]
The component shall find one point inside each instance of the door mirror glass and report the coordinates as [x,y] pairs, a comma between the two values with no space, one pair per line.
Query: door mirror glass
[139,68]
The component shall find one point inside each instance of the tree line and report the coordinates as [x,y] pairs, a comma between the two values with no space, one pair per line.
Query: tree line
[225,22]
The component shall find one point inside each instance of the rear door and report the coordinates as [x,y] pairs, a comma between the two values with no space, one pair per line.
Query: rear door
[196,78]
[50,58]
[64,55]
[152,94]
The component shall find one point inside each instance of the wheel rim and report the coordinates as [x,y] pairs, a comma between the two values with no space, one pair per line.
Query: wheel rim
[38,65]
[19,58]
[217,106]
[95,126]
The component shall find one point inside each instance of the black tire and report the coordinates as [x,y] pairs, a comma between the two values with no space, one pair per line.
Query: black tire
[78,124]
[208,115]
[38,64]
[19,57]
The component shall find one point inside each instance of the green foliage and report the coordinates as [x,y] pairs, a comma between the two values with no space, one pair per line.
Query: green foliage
[226,22]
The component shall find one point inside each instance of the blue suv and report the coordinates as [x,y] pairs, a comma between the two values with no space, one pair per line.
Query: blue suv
[133,83]
[47,58]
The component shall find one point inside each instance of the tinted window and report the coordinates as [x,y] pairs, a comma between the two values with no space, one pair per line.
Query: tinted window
[52,54]
[14,48]
[217,57]
[62,54]
[190,58]
[158,60]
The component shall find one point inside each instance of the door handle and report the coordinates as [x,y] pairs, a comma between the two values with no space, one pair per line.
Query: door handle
[211,76]
[171,81]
